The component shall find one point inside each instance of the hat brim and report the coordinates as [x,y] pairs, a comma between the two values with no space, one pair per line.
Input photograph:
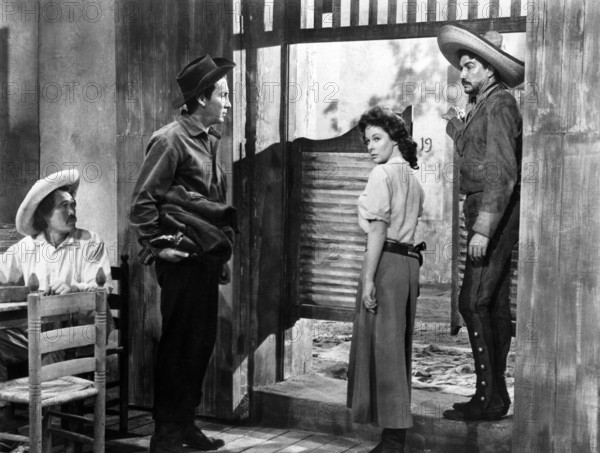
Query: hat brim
[453,39]
[40,190]
[223,67]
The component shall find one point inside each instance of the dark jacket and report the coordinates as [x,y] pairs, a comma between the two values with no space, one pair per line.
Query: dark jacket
[489,149]
[182,153]
[209,225]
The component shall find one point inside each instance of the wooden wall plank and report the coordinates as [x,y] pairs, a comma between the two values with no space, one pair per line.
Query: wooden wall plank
[336,13]
[151,48]
[473,9]
[493,9]
[389,31]
[392,11]
[535,398]
[452,10]
[318,14]
[354,12]
[373,10]
[432,10]
[515,8]
[411,11]
[557,393]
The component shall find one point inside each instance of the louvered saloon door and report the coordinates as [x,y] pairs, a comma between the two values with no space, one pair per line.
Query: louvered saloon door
[327,245]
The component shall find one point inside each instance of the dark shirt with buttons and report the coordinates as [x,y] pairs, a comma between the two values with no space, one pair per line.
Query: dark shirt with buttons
[489,148]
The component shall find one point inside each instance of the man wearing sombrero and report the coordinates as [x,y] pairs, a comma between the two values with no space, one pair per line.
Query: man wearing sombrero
[178,210]
[64,258]
[488,145]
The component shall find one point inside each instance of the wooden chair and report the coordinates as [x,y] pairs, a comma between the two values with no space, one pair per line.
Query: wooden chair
[56,384]
[118,304]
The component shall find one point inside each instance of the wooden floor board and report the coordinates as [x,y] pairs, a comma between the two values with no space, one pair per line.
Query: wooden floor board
[238,439]
[279,442]
[337,446]
[360,449]
[311,443]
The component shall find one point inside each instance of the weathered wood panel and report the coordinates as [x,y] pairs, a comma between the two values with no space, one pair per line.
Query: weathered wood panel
[77,107]
[557,369]
[154,40]
[19,105]
[327,245]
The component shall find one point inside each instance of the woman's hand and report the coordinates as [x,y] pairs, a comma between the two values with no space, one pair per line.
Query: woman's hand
[368,296]
[172,255]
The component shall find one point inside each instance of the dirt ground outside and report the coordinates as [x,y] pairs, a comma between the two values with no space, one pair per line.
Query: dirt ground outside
[441,362]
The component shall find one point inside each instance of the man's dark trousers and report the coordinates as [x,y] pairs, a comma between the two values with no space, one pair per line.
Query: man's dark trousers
[189,308]
[484,303]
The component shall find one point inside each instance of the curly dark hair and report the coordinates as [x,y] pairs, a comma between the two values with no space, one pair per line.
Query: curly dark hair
[45,208]
[394,126]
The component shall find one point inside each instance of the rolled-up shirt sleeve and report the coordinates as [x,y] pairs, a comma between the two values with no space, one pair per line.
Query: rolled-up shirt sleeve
[155,179]
[95,257]
[11,270]
[375,202]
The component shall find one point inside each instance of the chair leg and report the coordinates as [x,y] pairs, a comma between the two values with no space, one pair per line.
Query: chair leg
[123,398]
[46,434]
[35,422]
[99,422]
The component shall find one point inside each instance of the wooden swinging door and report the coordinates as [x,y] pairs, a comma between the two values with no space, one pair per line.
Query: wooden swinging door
[326,244]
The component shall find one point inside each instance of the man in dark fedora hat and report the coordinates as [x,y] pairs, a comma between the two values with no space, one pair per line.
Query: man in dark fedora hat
[177,215]
[488,152]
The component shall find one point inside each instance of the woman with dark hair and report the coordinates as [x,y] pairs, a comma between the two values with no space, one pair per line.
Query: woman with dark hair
[379,376]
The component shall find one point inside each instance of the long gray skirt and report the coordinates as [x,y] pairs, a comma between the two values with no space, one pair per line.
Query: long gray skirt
[379,374]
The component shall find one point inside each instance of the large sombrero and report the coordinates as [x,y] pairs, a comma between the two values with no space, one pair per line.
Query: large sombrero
[39,191]
[452,39]
[198,75]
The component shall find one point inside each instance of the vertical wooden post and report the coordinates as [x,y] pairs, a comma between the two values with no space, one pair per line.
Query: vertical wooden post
[432,10]
[473,9]
[557,380]
[318,14]
[515,8]
[336,12]
[451,11]
[155,38]
[373,9]
[392,11]
[493,9]
[411,11]
[354,12]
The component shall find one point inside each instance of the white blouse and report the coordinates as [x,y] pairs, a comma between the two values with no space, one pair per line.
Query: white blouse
[393,195]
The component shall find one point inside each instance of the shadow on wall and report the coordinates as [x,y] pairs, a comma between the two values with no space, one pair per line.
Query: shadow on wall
[19,138]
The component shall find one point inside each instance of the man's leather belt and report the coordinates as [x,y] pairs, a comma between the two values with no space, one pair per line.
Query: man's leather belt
[401,248]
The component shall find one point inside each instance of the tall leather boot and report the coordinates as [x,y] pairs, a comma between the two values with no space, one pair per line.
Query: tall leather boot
[500,382]
[486,404]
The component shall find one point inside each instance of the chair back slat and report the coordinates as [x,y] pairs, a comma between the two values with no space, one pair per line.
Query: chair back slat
[68,337]
[68,368]
[41,308]
[13,293]
[67,304]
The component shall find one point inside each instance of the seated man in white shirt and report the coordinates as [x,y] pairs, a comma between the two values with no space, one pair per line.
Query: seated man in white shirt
[64,258]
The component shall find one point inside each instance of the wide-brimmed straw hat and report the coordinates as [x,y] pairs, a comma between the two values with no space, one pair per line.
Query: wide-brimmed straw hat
[452,39]
[198,75]
[40,190]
